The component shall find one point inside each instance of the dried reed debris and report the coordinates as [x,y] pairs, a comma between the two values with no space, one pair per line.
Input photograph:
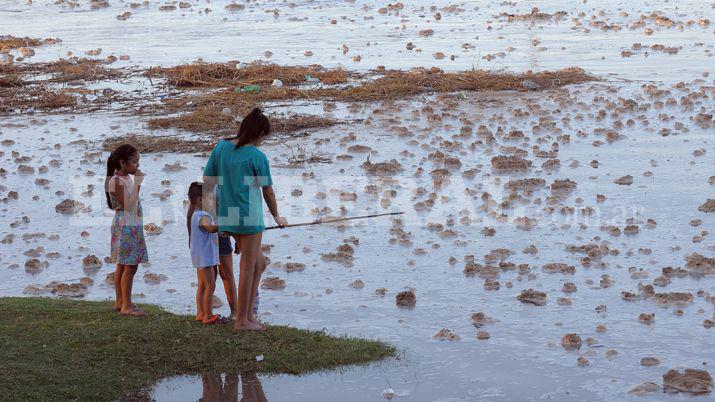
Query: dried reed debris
[160,143]
[213,120]
[62,70]
[216,75]
[213,110]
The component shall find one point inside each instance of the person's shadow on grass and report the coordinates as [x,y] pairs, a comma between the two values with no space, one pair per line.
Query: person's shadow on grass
[217,390]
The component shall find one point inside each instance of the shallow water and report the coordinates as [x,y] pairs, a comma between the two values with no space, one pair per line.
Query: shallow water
[150,36]
[523,359]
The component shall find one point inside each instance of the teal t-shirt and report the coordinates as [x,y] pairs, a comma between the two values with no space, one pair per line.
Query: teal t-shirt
[241,173]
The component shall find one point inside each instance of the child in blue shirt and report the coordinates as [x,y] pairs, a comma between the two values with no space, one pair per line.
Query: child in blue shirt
[203,243]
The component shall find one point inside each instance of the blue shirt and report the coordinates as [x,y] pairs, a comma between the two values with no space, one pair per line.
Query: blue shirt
[241,174]
[203,245]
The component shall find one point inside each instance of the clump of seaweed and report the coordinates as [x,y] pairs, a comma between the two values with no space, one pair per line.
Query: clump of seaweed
[534,15]
[9,42]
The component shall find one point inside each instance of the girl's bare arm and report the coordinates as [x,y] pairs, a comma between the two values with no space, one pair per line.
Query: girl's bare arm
[205,224]
[189,213]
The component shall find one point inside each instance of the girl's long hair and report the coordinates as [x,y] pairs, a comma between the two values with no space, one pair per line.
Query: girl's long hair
[122,153]
[253,127]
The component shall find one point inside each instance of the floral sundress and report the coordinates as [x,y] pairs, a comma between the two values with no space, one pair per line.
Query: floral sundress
[128,246]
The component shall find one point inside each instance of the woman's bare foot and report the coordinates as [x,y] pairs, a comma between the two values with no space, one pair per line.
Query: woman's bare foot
[118,307]
[199,318]
[133,312]
[234,316]
[247,326]
[260,324]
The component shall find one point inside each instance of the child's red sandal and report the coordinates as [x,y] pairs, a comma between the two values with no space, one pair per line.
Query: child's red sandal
[216,320]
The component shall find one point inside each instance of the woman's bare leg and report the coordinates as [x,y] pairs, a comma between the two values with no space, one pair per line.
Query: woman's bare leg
[250,250]
[211,387]
[258,271]
[225,269]
[251,387]
[118,287]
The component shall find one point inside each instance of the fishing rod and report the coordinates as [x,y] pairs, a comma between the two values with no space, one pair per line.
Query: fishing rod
[321,221]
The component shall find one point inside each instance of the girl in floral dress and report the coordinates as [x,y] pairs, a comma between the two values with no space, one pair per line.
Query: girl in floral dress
[128,248]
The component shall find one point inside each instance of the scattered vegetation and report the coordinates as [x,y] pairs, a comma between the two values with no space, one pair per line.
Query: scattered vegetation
[219,97]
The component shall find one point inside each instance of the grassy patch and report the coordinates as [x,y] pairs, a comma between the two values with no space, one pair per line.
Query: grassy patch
[54,349]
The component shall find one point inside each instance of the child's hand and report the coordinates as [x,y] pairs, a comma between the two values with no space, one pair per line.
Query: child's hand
[138,177]
[281,221]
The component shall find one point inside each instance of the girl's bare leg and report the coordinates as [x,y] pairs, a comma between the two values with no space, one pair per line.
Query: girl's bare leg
[258,271]
[118,287]
[229,389]
[209,280]
[225,269]
[199,297]
[127,282]
[250,250]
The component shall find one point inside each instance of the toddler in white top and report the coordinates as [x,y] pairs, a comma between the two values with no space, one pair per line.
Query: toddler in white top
[203,243]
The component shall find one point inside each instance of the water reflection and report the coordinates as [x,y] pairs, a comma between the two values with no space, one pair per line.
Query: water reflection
[224,388]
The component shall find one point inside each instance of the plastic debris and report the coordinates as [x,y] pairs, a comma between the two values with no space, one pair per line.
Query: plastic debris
[251,89]
[530,85]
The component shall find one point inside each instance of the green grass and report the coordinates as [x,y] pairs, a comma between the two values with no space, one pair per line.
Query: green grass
[53,349]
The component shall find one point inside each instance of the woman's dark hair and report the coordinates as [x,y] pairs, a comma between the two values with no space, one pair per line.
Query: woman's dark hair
[253,127]
[123,152]
[195,191]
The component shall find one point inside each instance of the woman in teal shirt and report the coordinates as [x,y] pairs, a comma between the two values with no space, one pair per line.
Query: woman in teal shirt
[243,176]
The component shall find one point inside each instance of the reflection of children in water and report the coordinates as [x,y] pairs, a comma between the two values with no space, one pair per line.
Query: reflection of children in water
[216,390]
